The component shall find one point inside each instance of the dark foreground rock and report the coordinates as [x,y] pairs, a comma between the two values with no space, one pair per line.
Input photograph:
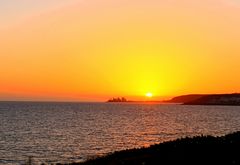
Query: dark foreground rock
[188,151]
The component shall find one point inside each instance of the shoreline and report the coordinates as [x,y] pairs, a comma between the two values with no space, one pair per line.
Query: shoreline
[195,150]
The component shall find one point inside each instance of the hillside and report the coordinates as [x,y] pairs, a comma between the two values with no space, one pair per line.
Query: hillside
[217,99]
[198,151]
[185,98]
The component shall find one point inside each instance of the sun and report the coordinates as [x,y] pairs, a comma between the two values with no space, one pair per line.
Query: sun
[149,95]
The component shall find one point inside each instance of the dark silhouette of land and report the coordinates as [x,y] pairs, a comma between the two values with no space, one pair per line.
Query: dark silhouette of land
[193,99]
[207,99]
[217,99]
[184,98]
[118,99]
[123,100]
[201,150]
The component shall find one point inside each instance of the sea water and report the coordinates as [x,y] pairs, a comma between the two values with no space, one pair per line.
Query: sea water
[73,132]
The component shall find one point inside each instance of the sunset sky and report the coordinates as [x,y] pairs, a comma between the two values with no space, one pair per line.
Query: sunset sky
[91,50]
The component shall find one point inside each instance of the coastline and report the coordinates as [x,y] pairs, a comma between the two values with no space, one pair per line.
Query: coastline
[208,99]
[195,150]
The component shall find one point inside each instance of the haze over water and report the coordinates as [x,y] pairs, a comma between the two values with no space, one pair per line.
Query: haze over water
[67,132]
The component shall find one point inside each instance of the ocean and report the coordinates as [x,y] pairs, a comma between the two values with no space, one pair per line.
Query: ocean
[73,132]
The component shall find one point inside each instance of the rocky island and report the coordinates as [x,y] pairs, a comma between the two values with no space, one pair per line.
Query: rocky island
[118,99]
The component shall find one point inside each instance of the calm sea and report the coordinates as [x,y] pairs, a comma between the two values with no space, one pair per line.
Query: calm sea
[73,132]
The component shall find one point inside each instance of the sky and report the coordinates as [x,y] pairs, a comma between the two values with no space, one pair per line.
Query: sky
[91,50]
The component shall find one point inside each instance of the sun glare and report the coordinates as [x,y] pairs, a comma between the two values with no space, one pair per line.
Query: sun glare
[149,95]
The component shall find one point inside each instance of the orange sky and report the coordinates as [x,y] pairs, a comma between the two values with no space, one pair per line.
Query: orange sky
[90,50]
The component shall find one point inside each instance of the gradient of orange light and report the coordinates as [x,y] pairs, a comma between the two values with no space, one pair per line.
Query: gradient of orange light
[108,49]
